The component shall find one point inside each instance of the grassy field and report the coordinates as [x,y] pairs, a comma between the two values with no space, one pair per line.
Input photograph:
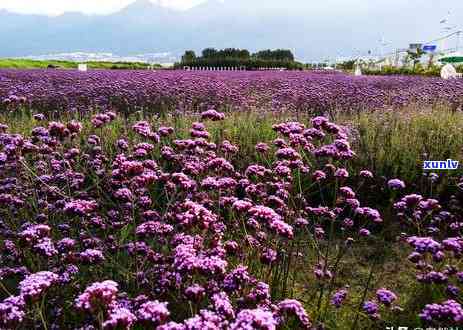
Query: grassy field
[36,64]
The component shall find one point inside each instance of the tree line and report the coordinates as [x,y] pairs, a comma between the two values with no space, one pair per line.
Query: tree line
[234,57]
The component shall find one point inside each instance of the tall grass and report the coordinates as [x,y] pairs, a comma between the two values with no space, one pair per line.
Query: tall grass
[396,142]
[392,144]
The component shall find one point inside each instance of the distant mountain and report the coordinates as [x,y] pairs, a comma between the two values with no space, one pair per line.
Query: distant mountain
[314,30]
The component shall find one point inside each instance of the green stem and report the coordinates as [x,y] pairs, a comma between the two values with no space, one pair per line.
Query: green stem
[370,277]
[42,318]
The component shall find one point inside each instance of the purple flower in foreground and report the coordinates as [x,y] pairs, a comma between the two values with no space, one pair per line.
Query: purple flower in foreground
[448,311]
[294,307]
[341,173]
[194,292]
[366,174]
[262,147]
[80,207]
[385,296]
[119,318]
[46,247]
[33,286]
[319,175]
[222,305]
[250,319]
[317,122]
[124,195]
[268,256]
[92,256]
[338,298]
[424,244]
[98,295]
[364,232]
[396,184]
[212,115]
[371,308]
[11,312]
[153,312]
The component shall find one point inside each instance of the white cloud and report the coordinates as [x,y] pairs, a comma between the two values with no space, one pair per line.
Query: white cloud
[56,7]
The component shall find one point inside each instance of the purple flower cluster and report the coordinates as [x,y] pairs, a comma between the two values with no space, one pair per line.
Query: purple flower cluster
[153,312]
[294,307]
[386,296]
[11,312]
[35,285]
[396,184]
[448,311]
[338,298]
[212,115]
[98,295]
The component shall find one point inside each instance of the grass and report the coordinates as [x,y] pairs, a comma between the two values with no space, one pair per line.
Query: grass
[395,144]
[8,63]
[421,70]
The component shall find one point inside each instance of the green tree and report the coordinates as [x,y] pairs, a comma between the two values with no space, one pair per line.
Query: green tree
[209,53]
[189,56]
[415,56]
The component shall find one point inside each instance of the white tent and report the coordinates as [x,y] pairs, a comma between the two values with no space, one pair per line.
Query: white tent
[448,71]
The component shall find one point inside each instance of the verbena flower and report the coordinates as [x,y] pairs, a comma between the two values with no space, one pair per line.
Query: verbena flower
[396,184]
[338,298]
[35,285]
[153,313]
[294,308]
[448,311]
[98,295]
[386,296]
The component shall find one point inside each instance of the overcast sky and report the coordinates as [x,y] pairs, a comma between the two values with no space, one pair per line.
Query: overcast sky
[56,7]
[333,27]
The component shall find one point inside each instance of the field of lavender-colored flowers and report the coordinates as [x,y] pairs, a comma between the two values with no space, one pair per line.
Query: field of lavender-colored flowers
[112,218]
[128,91]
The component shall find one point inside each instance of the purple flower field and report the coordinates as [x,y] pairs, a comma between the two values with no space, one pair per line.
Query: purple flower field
[48,90]
[110,222]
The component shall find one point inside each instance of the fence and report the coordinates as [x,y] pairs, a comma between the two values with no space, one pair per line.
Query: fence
[241,68]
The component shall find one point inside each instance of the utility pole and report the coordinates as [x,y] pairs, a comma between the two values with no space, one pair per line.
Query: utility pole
[397,56]
[458,40]
[383,44]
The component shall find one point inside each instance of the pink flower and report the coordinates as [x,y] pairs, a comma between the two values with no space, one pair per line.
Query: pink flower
[35,285]
[212,115]
[294,307]
[119,318]
[98,295]
[341,173]
[12,312]
[153,312]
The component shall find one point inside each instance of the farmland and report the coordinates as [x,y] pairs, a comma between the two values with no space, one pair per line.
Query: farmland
[168,91]
[14,63]
[228,200]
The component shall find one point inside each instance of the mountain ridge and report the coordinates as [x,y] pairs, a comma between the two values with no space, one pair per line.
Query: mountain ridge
[312,31]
